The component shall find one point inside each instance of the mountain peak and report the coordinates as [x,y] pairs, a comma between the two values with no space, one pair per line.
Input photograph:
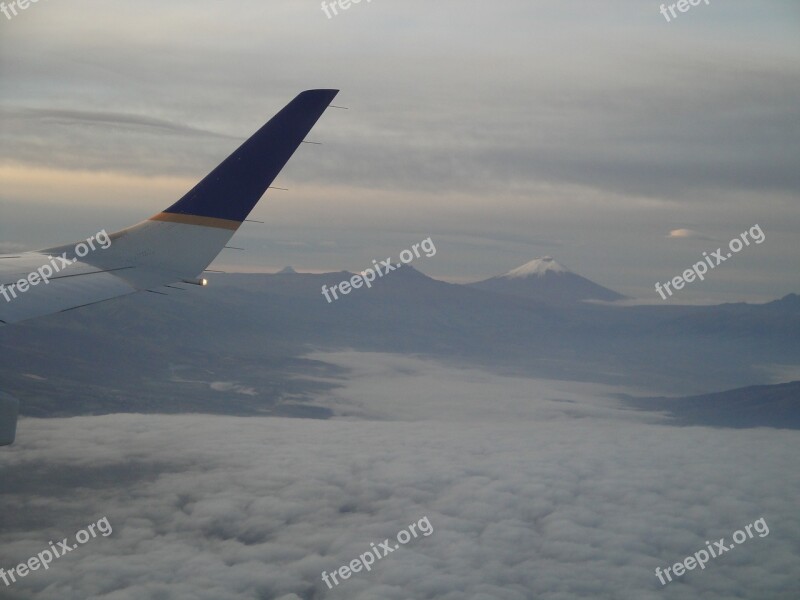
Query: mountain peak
[536,268]
[545,280]
[287,271]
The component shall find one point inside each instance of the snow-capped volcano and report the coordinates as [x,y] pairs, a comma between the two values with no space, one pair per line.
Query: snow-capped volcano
[538,266]
[546,280]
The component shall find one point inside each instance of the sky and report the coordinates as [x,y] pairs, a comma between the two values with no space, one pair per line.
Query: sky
[553,491]
[596,132]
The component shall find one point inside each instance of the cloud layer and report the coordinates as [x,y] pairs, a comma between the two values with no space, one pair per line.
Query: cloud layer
[534,490]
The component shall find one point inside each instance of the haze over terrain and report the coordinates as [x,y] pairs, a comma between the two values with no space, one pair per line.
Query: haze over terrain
[570,490]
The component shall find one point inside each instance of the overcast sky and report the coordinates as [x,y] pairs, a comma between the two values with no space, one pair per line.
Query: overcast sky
[505,130]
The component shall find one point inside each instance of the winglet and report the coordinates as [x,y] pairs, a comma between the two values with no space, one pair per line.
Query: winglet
[226,196]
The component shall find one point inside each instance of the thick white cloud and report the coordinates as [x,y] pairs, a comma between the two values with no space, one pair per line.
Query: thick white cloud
[534,490]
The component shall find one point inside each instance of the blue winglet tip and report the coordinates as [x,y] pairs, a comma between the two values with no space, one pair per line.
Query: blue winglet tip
[231,190]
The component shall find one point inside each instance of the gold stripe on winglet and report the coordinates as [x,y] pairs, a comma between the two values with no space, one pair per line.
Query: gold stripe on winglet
[197,220]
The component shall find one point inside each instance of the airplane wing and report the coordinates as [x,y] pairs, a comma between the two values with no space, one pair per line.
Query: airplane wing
[176,245]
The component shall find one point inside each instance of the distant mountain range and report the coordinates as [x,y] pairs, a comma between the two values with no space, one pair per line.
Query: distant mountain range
[545,280]
[250,333]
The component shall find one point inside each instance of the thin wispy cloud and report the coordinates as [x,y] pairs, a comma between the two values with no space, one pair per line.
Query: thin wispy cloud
[688,234]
